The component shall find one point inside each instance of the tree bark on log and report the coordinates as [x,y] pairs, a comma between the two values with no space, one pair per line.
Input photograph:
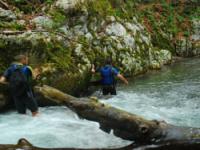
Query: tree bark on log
[123,124]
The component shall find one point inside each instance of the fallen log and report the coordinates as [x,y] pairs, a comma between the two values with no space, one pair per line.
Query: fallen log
[123,124]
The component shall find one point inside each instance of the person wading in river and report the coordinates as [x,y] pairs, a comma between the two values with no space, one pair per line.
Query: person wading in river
[19,75]
[108,73]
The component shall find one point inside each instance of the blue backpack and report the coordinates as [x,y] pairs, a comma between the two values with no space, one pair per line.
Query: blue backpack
[18,82]
[107,75]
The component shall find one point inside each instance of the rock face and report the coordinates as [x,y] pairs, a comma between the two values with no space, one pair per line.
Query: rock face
[196,38]
[71,41]
[43,22]
[190,46]
[7,15]
[66,5]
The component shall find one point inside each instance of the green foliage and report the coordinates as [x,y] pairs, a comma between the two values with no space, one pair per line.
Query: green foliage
[62,59]
[29,6]
[58,17]
[11,26]
[32,1]
[167,22]
[195,14]
[49,1]
[99,8]
[119,8]
[187,33]
[180,18]
[20,1]
[59,55]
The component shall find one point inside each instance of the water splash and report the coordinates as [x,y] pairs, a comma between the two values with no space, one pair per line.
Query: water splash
[55,127]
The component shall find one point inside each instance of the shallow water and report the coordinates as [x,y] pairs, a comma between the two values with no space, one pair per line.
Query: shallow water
[171,94]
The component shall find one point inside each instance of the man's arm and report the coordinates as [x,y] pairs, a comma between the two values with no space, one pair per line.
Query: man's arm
[5,76]
[121,77]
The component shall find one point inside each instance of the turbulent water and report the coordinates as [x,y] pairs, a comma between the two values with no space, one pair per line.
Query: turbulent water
[171,94]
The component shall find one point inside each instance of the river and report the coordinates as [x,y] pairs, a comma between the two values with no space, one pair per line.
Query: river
[171,94]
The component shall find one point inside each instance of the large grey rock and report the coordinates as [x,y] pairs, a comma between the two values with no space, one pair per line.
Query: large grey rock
[196,37]
[116,29]
[66,5]
[43,22]
[190,46]
[129,41]
[132,27]
[80,29]
[196,26]
[7,15]
[165,57]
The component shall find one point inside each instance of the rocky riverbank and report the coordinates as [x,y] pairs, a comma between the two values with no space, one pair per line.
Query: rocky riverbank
[65,37]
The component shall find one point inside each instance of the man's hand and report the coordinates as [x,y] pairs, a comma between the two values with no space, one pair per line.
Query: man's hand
[3,80]
[36,73]
[126,82]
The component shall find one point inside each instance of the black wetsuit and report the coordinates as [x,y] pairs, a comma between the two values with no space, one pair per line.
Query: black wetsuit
[27,99]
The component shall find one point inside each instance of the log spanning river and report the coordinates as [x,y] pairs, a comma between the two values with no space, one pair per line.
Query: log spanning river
[171,94]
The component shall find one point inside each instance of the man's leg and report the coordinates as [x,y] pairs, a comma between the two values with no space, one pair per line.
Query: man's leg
[113,90]
[32,105]
[105,90]
[20,105]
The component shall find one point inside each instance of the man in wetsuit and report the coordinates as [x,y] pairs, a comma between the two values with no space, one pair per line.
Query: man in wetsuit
[108,73]
[19,75]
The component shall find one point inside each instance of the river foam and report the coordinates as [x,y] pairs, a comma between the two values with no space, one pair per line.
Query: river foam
[55,127]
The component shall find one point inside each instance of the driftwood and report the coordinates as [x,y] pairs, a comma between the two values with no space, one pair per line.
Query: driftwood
[153,134]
